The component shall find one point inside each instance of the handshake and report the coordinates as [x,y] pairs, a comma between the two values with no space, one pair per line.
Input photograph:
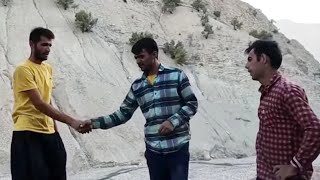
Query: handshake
[86,126]
[82,126]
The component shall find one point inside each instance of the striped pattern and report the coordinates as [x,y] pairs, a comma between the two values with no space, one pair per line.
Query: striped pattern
[170,98]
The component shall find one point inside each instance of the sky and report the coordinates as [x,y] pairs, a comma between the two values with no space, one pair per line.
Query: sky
[299,11]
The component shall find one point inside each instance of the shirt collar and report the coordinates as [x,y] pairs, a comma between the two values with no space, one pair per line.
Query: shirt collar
[161,68]
[273,80]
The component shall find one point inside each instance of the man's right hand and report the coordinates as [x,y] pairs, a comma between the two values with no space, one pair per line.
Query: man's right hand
[85,127]
[76,124]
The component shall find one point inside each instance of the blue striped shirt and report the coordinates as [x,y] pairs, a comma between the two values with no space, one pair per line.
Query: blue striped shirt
[170,98]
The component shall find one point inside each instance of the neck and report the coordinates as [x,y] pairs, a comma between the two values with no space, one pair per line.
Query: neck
[155,68]
[265,81]
[35,60]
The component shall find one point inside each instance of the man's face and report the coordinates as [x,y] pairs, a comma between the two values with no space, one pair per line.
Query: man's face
[255,68]
[41,49]
[145,60]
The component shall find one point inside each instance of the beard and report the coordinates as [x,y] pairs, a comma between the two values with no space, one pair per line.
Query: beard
[41,56]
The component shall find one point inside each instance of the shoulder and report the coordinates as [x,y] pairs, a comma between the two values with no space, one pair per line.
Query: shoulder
[48,66]
[291,89]
[23,67]
[171,69]
[137,81]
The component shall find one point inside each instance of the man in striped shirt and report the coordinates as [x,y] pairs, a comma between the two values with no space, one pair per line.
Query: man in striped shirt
[166,100]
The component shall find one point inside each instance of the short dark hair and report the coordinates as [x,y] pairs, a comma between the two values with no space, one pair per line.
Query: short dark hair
[37,32]
[269,48]
[148,44]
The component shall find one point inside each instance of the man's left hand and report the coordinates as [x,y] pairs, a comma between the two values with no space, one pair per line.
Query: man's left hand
[166,128]
[284,171]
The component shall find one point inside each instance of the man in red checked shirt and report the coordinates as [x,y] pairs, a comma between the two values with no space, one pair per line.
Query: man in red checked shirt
[288,139]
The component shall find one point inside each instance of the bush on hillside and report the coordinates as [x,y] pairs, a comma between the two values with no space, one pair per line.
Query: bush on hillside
[5,2]
[275,31]
[264,35]
[176,51]
[204,20]
[85,21]
[207,31]
[217,13]
[236,23]
[199,5]
[254,13]
[137,36]
[170,5]
[66,3]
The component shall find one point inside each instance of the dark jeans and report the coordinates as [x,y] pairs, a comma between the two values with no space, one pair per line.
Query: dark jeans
[37,156]
[172,166]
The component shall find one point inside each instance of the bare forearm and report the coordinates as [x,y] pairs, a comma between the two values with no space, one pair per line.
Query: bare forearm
[54,113]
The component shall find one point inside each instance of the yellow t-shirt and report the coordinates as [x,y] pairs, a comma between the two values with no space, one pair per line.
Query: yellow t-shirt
[152,79]
[27,76]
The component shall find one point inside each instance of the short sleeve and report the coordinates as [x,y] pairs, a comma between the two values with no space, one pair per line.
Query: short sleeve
[23,79]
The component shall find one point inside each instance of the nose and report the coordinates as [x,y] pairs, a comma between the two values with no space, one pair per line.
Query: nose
[247,65]
[48,48]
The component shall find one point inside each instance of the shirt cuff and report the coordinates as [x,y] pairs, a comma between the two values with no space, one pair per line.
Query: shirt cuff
[95,123]
[174,121]
[295,163]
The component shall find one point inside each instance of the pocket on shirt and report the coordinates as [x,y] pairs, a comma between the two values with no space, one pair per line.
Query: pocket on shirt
[268,117]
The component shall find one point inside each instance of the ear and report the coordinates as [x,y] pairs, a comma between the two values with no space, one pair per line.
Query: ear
[31,44]
[264,59]
[155,54]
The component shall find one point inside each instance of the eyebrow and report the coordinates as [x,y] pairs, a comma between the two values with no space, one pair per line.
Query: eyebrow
[46,44]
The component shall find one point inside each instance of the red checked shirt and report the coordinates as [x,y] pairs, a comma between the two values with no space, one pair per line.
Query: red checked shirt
[289,131]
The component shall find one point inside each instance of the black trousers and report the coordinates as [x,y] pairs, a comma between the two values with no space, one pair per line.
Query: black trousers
[37,156]
[172,166]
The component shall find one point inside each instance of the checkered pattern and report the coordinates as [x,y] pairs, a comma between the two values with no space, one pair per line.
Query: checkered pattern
[289,131]
[170,98]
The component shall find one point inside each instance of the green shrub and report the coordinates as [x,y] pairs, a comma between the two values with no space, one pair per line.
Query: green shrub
[207,31]
[217,13]
[236,23]
[275,31]
[65,3]
[85,21]
[176,51]
[261,35]
[170,5]
[6,2]
[199,5]
[254,12]
[204,20]
[137,36]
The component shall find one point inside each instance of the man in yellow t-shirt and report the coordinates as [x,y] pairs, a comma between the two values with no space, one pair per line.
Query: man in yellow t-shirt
[37,151]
